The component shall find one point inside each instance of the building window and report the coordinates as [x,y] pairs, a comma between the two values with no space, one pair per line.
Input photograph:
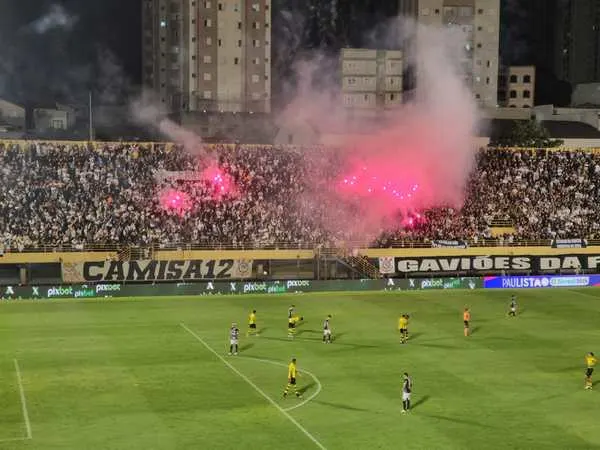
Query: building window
[220,7]
[256,25]
[256,7]
[220,43]
[208,41]
[488,63]
[207,95]
[163,24]
[513,78]
[236,61]
[256,61]
[194,39]
[239,43]
[480,28]
[392,96]
[207,5]
[425,12]
[239,25]
[526,94]
[255,96]
[256,43]
[193,75]
[479,45]
[513,94]
[480,11]
[193,57]
[437,11]
[207,23]
[527,79]
[477,96]
[255,78]
[236,7]
[207,76]
[207,59]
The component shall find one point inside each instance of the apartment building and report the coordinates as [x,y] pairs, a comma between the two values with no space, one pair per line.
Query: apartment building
[479,22]
[208,55]
[371,80]
[517,87]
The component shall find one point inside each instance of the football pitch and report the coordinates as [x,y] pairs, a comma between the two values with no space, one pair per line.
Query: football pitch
[154,373]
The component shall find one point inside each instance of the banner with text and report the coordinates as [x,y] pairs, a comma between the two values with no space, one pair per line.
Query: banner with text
[108,290]
[448,244]
[569,243]
[541,282]
[150,270]
[483,264]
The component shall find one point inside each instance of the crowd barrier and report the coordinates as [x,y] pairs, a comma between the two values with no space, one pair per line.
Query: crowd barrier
[293,286]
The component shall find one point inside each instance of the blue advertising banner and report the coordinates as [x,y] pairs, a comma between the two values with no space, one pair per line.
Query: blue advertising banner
[530,282]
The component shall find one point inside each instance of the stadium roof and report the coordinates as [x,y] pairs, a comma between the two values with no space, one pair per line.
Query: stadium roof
[558,129]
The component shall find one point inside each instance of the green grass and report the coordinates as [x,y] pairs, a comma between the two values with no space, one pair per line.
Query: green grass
[123,374]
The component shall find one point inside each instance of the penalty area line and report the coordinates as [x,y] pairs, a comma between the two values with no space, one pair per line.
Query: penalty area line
[310,374]
[23,402]
[256,388]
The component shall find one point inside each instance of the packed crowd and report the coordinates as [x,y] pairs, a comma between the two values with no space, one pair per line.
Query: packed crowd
[75,196]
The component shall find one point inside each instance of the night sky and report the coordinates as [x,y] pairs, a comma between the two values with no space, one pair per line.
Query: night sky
[102,50]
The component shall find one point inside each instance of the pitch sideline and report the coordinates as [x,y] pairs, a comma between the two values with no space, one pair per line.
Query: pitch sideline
[23,408]
[256,388]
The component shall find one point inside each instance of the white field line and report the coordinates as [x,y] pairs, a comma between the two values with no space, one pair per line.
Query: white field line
[23,401]
[256,388]
[18,439]
[310,374]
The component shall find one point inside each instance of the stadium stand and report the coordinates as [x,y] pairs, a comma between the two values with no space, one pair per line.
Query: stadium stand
[76,196]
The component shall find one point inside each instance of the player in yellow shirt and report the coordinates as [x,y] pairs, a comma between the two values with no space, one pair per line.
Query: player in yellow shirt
[292,375]
[293,319]
[403,328]
[252,324]
[590,362]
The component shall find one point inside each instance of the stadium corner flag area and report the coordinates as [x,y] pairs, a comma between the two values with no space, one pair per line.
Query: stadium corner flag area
[130,374]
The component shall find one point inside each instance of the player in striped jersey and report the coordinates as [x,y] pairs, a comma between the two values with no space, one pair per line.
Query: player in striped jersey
[407,386]
[234,334]
[327,330]
[513,306]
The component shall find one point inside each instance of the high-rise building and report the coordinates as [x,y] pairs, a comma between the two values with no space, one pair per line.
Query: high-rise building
[479,21]
[371,80]
[577,38]
[208,55]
